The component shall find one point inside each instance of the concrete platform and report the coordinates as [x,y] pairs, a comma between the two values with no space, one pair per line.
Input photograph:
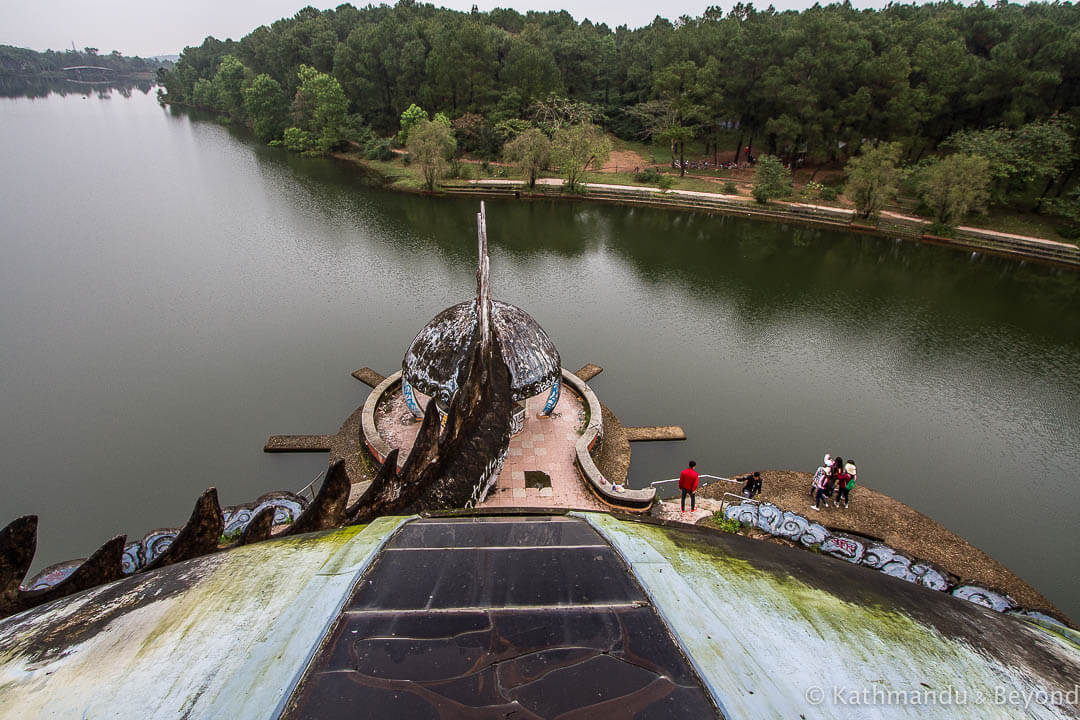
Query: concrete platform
[545,445]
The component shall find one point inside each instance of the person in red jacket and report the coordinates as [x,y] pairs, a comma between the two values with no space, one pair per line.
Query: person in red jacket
[688,483]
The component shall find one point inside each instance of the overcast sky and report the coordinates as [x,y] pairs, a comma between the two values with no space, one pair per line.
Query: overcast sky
[165,27]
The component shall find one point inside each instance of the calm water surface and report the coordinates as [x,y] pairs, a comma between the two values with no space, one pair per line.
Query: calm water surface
[172,293]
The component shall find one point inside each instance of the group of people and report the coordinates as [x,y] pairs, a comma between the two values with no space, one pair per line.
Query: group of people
[834,477]
[833,482]
[689,482]
[708,165]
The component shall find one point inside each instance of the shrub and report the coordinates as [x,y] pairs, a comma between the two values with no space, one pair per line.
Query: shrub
[379,149]
[771,179]
[956,185]
[664,182]
[730,525]
[730,188]
[829,194]
[299,140]
[648,175]
[872,178]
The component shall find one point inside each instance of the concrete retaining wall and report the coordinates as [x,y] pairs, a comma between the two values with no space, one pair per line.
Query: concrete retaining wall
[984,241]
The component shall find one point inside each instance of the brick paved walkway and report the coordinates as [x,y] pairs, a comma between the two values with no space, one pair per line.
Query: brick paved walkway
[545,445]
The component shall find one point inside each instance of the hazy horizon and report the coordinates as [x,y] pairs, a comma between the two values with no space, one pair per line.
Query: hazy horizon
[155,27]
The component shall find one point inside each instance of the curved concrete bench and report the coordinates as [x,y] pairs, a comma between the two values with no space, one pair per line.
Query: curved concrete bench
[372,440]
[594,433]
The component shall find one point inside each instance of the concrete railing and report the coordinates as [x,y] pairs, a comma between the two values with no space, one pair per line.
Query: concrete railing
[637,500]
[372,440]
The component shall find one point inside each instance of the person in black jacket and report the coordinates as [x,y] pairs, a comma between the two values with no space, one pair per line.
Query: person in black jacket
[752,486]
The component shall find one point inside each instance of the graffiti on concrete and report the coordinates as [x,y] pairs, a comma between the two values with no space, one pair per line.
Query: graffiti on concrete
[876,556]
[792,526]
[931,577]
[815,534]
[769,518]
[987,598]
[844,548]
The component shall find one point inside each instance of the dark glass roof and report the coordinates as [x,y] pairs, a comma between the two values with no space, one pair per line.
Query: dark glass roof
[432,361]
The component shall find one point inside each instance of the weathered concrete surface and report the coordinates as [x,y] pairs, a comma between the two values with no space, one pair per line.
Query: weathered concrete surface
[298,443]
[588,371]
[648,433]
[603,487]
[222,636]
[775,633]
[368,376]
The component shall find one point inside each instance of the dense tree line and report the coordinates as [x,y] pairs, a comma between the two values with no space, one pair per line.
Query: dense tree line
[814,85]
[25,63]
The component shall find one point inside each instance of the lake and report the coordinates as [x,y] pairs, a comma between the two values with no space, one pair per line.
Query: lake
[172,293]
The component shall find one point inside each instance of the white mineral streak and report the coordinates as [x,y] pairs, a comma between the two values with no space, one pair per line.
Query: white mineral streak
[232,645]
[765,644]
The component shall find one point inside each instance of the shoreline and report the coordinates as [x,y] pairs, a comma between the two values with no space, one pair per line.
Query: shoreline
[892,225]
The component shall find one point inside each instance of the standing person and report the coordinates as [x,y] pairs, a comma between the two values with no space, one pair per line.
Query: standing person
[826,485]
[819,475]
[849,484]
[688,483]
[843,477]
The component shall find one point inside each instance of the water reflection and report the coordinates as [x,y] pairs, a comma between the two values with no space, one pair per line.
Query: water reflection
[36,87]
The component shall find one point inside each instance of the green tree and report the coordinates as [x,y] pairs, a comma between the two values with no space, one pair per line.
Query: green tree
[266,106]
[321,108]
[954,186]
[530,152]
[440,117]
[228,83]
[1020,159]
[410,118]
[203,95]
[872,178]
[430,145]
[1068,208]
[771,179]
[575,147]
